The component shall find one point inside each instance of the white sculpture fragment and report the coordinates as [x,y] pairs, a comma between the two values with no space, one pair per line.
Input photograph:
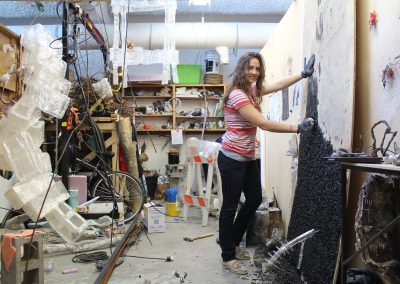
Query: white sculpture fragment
[22,133]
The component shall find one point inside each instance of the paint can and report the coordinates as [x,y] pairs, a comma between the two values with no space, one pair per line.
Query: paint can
[172,209]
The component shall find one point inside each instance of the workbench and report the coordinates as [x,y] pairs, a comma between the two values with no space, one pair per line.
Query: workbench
[363,167]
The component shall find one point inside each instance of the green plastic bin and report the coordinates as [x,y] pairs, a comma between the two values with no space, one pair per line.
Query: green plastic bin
[188,74]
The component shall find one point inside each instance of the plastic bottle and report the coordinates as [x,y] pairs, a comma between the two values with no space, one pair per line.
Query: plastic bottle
[50,266]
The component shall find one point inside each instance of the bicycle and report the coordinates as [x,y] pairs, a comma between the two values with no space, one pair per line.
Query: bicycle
[117,187]
[108,185]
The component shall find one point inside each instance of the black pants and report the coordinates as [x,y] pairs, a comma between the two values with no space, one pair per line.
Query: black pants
[237,177]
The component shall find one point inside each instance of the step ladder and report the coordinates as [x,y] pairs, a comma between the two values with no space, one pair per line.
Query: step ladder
[196,157]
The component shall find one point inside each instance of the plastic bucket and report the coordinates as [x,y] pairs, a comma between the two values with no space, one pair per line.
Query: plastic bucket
[188,74]
[172,209]
[170,194]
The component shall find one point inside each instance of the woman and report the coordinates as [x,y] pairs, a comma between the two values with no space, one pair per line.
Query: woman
[236,162]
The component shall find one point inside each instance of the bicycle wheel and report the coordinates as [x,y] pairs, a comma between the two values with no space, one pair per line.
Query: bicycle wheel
[127,189]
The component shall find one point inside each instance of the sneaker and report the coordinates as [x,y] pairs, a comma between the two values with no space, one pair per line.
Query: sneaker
[235,267]
[242,254]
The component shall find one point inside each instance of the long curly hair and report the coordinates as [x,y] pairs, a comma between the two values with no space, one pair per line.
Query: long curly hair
[239,76]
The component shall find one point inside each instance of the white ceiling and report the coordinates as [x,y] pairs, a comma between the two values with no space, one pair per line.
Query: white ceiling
[261,11]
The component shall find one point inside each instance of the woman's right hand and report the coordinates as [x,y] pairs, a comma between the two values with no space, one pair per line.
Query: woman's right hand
[306,125]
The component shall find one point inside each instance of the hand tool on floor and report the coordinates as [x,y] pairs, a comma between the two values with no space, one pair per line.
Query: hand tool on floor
[198,237]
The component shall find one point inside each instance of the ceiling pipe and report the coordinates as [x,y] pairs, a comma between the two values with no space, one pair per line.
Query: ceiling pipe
[196,35]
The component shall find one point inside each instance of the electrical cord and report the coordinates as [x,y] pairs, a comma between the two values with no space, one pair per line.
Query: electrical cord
[155,207]
[90,257]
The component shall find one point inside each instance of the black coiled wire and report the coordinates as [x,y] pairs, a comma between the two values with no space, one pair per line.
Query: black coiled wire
[90,257]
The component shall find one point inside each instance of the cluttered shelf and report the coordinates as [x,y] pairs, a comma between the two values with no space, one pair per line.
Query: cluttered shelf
[199,85]
[147,85]
[210,130]
[153,115]
[141,130]
[198,98]
[198,117]
[185,104]
[147,97]
[154,131]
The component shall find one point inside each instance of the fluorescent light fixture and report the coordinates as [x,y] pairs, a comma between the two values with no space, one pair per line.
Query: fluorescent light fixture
[200,2]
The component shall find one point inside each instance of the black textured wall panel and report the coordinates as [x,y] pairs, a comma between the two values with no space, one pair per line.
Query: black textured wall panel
[317,205]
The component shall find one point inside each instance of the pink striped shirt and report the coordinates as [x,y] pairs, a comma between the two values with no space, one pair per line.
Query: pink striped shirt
[240,135]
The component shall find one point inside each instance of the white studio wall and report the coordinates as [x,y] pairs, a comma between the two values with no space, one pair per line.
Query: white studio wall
[282,55]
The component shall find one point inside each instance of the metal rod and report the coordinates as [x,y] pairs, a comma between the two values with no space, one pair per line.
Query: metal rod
[108,269]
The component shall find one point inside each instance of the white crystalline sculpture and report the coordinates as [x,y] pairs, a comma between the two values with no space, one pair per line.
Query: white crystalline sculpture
[22,133]
[103,89]
[168,56]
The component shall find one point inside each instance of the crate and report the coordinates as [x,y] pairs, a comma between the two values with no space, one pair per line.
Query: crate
[188,74]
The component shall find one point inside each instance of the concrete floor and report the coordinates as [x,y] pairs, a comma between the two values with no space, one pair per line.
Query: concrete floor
[199,259]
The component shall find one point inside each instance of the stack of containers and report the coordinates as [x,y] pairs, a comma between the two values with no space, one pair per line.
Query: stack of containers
[22,133]
[171,201]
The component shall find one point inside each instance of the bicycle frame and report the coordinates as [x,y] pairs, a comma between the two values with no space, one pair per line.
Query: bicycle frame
[98,174]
